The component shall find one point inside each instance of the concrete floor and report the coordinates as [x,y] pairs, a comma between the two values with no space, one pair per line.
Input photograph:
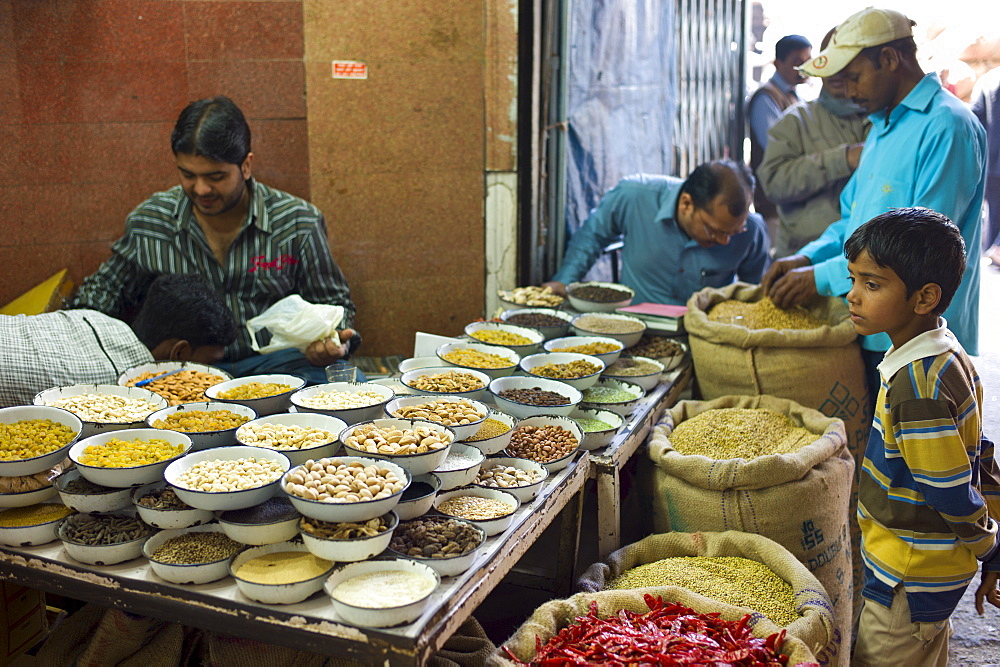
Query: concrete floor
[976,639]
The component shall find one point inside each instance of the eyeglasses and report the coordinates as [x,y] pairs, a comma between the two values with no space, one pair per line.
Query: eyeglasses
[717,235]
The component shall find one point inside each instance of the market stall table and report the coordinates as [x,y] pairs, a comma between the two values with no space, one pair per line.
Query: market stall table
[312,625]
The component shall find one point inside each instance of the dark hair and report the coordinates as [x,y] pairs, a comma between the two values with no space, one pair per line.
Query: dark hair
[729,177]
[920,245]
[213,128]
[789,43]
[905,45]
[184,306]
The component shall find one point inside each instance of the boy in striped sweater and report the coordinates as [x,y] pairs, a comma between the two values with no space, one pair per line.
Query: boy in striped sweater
[929,497]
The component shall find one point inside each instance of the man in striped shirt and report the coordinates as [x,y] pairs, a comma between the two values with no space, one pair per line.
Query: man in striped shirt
[929,496]
[253,243]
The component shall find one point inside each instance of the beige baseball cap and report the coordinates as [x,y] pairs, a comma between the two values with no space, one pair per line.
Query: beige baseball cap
[869,27]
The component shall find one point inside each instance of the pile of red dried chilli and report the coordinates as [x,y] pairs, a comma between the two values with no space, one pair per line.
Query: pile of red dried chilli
[668,634]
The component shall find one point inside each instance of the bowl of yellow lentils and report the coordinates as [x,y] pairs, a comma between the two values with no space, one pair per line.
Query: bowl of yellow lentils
[33,438]
[130,457]
[265,394]
[522,340]
[495,361]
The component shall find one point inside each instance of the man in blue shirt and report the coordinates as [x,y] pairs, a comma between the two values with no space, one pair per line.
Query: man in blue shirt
[679,235]
[925,148]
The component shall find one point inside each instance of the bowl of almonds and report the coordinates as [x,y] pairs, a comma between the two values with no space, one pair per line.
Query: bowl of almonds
[347,541]
[547,439]
[419,446]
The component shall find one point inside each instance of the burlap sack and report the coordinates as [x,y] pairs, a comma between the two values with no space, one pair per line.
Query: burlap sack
[553,616]
[818,368]
[815,628]
[799,500]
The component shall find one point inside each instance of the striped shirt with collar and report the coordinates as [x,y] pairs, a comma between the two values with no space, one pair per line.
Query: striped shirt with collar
[39,352]
[929,495]
[282,249]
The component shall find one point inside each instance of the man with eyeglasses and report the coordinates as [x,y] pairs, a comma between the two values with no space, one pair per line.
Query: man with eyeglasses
[679,235]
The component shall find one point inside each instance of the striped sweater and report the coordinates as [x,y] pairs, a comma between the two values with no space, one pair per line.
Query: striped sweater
[929,496]
[281,250]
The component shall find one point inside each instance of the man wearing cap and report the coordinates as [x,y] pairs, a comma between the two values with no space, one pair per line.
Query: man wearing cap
[767,104]
[925,148]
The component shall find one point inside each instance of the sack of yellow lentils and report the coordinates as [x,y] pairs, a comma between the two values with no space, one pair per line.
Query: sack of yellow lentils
[552,617]
[726,569]
[809,354]
[762,465]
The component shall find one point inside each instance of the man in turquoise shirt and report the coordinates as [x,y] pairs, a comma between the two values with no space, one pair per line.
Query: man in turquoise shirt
[678,235]
[925,148]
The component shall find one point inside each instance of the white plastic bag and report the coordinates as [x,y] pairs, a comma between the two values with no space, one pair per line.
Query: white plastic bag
[294,322]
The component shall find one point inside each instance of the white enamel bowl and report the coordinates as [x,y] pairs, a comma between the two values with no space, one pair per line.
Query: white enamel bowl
[412,504]
[525,410]
[628,339]
[504,353]
[204,439]
[103,499]
[25,498]
[347,550]
[495,443]
[186,573]
[90,428]
[415,464]
[43,462]
[361,510]
[548,332]
[163,518]
[133,475]
[325,449]
[589,306]
[30,535]
[525,492]
[160,367]
[102,554]
[567,423]
[289,593]
[413,363]
[463,474]
[530,363]
[381,617]
[597,439]
[623,407]
[475,393]
[282,526]
[476,329]
[462,431]
[574,343]
[491,526]
[453,565]
[377,395]
[267,405]
[647,380]
[225,500]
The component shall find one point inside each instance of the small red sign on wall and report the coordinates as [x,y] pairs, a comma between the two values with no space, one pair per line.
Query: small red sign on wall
[349,69]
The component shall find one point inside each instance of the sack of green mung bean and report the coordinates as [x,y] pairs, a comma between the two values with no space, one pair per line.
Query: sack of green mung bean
[727,569]
[552,617]
[798,497]
[819,367]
